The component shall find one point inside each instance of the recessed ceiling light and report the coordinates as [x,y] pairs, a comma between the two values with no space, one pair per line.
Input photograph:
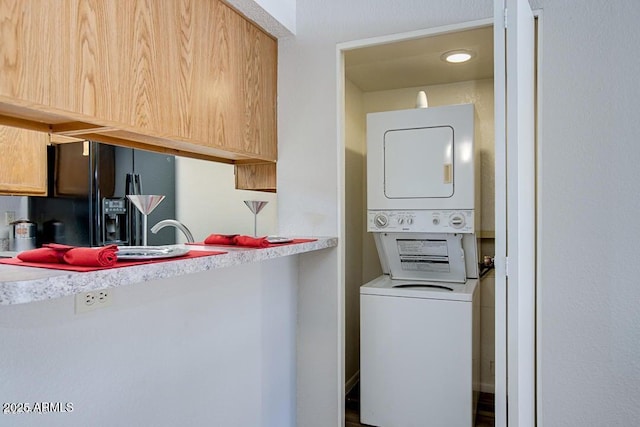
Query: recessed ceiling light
[457,56]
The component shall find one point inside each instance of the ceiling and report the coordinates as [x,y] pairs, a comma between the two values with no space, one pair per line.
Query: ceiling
[417,62]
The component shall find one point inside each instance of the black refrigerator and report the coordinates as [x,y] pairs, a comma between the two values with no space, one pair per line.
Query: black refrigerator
[86,203]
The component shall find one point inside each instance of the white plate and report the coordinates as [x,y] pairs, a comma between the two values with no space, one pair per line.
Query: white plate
[150,252]
[277,239]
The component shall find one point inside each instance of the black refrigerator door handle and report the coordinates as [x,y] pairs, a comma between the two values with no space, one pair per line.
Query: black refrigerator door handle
[133,184]
[128,187]
[138,183]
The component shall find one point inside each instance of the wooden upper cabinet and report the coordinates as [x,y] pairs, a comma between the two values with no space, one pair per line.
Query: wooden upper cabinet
[23,161]
[192,76]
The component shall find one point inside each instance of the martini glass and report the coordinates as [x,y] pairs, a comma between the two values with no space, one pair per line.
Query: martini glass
[255,206]
[145,203]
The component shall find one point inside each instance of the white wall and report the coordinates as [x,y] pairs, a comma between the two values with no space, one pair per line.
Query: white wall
[207,201]
[283,10]
[214,348]
[277,17]
[589,293]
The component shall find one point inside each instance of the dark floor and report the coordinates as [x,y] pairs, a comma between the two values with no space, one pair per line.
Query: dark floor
[484,414]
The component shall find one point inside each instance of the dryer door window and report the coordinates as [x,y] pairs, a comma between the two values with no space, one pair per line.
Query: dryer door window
[418,163]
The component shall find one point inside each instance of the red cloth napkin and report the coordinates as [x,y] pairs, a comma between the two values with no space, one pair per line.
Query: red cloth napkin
[43,254]
[252,242]
[55,253]
[105,256]
[237,240]
[220,239]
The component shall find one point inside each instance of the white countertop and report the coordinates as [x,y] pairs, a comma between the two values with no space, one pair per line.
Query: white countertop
[19,285]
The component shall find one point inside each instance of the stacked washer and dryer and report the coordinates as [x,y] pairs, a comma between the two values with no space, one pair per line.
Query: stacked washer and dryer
[419,321]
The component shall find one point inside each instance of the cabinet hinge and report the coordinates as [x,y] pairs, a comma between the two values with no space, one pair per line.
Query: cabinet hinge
[505,17]
[506,266]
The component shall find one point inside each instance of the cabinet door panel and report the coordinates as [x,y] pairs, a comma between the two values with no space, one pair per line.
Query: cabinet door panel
[177,67]
[89,57]
[23,32]
[260,68]
[260,177]
[217,107]
[23,161]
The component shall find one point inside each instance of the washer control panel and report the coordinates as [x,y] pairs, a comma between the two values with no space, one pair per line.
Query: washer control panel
[423,221]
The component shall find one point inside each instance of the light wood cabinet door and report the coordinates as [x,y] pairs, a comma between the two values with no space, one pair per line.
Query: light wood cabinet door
[260,177]
[189,75]
[260,92]
[23,161]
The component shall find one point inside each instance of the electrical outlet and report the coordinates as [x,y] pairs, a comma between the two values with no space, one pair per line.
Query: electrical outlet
[92,300]
[9,217]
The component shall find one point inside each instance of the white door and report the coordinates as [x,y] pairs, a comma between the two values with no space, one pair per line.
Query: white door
[514,41]
[418,163]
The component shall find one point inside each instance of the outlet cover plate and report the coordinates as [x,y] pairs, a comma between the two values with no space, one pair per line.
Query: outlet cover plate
[92,300]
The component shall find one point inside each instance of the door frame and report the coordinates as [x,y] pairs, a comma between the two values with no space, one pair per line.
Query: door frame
[341,48]
[517,393]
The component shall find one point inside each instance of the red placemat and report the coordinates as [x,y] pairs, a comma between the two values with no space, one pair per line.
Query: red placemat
[81,268]
[271,245]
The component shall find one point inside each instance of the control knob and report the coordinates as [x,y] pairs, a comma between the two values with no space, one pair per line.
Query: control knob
[381,220]
[456,221]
